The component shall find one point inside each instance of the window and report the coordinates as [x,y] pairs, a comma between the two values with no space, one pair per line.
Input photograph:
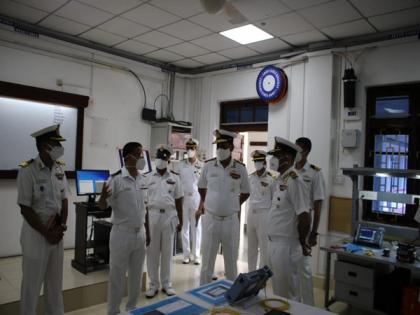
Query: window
[392,142]
[391,152]
[245,115]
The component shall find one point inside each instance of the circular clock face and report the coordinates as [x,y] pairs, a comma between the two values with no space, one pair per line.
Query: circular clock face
[271,84]
[268,83]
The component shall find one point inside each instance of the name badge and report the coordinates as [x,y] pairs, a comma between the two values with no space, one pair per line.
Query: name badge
[235,175]
[170,182]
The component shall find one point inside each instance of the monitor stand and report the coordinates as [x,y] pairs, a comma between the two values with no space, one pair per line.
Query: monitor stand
[91,200]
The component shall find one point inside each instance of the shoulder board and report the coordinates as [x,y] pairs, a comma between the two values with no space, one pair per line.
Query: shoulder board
[25,163]
[116,173]
[293,175]
[209,160]
[60,162]
[316,168]
[174,173]
[239,162]
[271,175]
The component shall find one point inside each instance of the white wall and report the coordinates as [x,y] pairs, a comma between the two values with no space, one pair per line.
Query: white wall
[386,63]
[112,118]
[313,106]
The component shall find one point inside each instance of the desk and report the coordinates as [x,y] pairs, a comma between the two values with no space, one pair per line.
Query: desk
[190,303]
[99,244]
[377,261]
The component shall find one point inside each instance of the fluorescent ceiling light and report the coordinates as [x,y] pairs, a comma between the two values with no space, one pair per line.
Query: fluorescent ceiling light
[382,174]
[246,34]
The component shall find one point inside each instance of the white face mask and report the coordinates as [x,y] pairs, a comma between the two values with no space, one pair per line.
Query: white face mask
[191,153]
[274,164]
[141,163]
[161,164]
[223,154]
[259,165]
[56,152]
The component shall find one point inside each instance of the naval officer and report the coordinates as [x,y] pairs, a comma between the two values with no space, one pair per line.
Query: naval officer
[223,187]
[42,197]
[288,220]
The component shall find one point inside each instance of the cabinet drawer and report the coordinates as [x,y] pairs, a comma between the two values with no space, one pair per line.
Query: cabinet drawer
[354,295]
[354,274]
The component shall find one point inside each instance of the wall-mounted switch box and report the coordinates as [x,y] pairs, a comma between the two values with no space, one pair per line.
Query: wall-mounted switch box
[350,138]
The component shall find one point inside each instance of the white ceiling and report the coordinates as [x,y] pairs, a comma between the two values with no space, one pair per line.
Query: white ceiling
[181,33]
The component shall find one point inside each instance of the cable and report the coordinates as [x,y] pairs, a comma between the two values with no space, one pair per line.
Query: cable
[223,310]
[154,103]
[141,84]
[285,305]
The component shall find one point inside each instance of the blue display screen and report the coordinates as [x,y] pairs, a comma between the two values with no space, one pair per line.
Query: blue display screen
[90,182]
[367,234]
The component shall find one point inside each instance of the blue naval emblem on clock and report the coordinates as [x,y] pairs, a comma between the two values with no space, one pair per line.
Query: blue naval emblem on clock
[271,84]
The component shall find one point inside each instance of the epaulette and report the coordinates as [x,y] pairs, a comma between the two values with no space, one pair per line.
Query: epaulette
[239,162]
[316,168]
[209,160]
[271,175]
[60,162]
[173,172]
[116,173]
[25,163]
[293,175]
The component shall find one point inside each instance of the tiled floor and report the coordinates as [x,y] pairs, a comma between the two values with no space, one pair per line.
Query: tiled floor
[11,276]
[184,277]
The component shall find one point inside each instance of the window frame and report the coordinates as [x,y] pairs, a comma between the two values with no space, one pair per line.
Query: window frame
[404,125]
[243,126]
[31,93]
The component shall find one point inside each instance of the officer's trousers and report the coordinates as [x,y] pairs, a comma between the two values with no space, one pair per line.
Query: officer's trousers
[256,231]
[190,250]
[42,263]
[162,229]
[127,249]
[284,255]
[216,231]
[305,278]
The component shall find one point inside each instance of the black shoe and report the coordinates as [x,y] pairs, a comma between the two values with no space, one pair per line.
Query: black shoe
[214,278]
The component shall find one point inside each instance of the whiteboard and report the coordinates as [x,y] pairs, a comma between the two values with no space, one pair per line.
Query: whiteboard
[20,118]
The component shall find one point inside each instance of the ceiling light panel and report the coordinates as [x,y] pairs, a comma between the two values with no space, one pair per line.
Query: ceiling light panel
[246,34]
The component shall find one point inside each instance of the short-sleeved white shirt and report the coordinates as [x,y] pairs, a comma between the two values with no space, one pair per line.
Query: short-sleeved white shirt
[42,189]
[162,191]
[127,199]
[290,198]
[224,186]
[312,177]
[189,175]
[260,197]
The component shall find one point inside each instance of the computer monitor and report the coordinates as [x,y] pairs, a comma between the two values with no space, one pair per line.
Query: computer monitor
[90,182]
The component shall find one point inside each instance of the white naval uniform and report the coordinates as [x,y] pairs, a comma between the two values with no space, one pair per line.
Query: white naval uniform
[256,228]
[220,219]
[312,176]
[42,190]
[127,244]
[162,191]
[290,198]
[189,175]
